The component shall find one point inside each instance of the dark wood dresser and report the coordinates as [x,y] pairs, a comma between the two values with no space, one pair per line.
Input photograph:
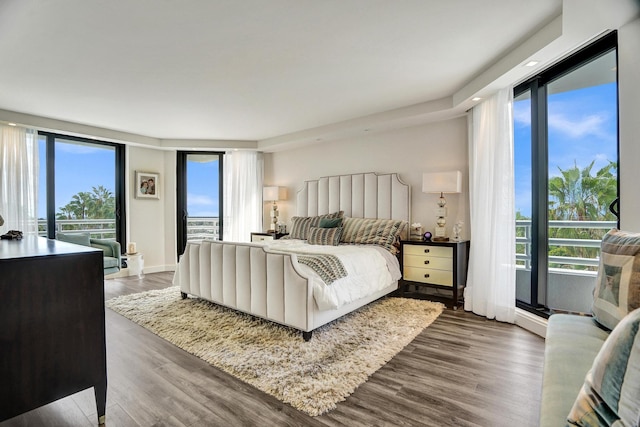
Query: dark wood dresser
[52,324]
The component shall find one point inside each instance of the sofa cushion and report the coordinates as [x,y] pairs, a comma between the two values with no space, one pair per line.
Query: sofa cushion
[110,262]
[572,342]
[611,391]
[617,290]
[83,239]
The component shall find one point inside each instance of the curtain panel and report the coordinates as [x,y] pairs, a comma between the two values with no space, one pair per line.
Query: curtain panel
[491,281]
[19,171]
[243,180]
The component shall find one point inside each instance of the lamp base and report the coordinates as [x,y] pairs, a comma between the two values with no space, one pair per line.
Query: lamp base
[440,239]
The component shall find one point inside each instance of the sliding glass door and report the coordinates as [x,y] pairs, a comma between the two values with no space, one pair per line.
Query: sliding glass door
[81,187]
[566,168]
[199,179]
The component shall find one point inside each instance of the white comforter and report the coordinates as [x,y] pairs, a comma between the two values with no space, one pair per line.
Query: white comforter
[369,269]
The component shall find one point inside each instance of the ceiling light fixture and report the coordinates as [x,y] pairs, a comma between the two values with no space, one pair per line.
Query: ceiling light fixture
[12,124]
[476,98]
[532,63]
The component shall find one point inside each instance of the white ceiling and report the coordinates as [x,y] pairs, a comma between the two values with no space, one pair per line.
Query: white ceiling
[247,69]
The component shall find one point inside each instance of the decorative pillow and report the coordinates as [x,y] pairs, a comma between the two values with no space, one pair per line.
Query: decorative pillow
[617,289]
[330,222]
[368,231]
[83,239]
[324,236]
[611,391]
[300,224]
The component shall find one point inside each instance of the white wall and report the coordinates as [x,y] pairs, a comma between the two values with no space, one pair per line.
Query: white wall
[410,152]
[151,222]
[629,106]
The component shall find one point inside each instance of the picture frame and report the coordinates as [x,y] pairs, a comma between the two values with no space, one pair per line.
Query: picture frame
[147,185]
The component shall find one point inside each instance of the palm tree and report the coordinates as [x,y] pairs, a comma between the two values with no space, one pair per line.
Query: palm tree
[103,205]
[577,195]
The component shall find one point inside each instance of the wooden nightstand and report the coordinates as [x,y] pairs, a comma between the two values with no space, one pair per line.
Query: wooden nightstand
[265,236]
[438,267]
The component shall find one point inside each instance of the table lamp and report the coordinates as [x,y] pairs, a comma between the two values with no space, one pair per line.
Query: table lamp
[274,194]
[441,182]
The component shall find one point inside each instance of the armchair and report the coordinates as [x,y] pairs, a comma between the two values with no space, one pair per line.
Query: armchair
[111,248]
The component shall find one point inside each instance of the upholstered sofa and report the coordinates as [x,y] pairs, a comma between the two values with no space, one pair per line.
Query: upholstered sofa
[111,248]
[592,364]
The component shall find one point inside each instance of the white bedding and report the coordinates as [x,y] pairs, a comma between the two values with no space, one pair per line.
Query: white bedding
[369,269]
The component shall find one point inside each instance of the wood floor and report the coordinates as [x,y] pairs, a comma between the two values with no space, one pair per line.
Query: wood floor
[463,370]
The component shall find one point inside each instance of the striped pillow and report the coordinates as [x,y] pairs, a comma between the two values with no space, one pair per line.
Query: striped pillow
[610,395]
[300,224]
[369,231]
[617,290]
[324,236]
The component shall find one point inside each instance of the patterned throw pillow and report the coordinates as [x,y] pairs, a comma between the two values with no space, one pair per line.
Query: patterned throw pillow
[610,395]
[369,231]
[300,224]
[618,283]
[324,236]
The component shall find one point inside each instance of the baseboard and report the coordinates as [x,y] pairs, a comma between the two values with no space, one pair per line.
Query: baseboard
[531,322]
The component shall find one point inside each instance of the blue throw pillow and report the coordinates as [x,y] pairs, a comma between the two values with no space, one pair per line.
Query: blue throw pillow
[610,395]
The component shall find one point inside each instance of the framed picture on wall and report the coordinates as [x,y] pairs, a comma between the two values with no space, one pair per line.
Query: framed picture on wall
[147,185]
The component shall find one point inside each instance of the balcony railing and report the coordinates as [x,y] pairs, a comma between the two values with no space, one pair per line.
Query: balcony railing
[197,228]
[523,257]
[203,228]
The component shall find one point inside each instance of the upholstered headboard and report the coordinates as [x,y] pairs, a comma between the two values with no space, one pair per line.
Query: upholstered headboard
[363,195]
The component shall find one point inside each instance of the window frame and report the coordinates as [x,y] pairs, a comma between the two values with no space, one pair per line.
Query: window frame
[120,195]
[537,86]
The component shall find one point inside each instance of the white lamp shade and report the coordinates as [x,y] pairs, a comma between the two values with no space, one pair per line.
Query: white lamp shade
[272,194]
[442,182]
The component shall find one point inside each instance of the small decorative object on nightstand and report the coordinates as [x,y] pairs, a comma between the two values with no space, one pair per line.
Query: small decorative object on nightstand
[266,236]
[442,182]
[438,267]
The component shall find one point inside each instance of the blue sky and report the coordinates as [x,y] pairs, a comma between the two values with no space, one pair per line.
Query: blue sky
[582,127]
[202,189]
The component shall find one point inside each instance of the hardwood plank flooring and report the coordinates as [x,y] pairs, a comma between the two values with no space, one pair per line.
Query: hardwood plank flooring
[463,370]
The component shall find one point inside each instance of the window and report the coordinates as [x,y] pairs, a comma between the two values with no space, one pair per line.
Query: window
[81,187]
[566,172]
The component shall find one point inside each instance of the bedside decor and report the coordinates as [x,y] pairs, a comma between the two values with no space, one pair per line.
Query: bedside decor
[442,182]
[147,185]
[415,231]
[274,194]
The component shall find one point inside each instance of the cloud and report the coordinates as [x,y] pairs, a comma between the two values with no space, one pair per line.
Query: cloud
[591,125]
[201,200]
[522,113]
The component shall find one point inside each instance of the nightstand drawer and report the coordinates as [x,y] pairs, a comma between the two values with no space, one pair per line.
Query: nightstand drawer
[428,275]
[426,261]
[432,251]
[261,238]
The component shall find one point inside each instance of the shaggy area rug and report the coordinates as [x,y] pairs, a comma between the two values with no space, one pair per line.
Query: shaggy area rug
[310,376]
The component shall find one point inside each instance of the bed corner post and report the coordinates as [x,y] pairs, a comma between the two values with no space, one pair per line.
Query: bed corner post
[183,295]
[306,335]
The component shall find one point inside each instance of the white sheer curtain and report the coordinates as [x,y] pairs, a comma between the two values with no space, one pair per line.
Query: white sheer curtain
[243,180]
[491,282]
[19,170]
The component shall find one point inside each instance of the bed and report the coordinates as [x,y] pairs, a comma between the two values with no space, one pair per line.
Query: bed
[289,281]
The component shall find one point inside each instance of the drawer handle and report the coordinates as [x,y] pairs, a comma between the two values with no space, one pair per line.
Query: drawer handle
[426,262]
[426,251]
[426,276]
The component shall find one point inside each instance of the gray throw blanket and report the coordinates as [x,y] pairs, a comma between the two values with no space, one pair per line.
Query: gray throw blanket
[328,267]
